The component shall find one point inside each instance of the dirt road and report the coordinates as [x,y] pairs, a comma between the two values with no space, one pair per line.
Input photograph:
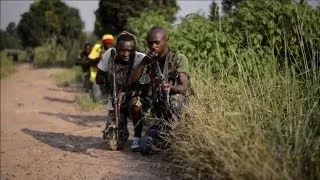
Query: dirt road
[45,136]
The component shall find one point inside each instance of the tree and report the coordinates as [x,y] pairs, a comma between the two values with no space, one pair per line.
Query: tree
[141,25]
[214,11]
[46,19]
[9,38]
[228,5]
[290,29]
[112,15]
[11,28]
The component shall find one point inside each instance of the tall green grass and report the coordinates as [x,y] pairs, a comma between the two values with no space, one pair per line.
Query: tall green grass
[85,103]
[6,65]
[6,62]
[255,113]
[68,77]
[261,123]
[73,76]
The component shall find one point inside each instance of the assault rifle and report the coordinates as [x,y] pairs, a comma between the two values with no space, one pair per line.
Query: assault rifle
[116,104]
[113,129]
[162,90]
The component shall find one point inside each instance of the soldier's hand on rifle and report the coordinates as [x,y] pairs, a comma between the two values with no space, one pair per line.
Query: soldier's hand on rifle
[150,57]
[166,86]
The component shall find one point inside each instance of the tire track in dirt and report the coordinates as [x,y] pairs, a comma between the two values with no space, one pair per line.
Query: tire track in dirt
[45,136]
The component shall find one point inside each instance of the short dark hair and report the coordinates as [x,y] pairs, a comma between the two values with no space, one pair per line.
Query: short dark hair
[126,37]
[87,44]
[158,29]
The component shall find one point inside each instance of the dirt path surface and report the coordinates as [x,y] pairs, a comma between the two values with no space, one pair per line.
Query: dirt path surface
[45,136]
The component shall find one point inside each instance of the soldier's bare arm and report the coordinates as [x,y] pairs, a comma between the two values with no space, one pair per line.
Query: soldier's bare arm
[182,84]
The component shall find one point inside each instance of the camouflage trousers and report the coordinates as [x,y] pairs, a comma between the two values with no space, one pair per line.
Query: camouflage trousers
[116,135]
[177,102]
[122,129]
[153,140]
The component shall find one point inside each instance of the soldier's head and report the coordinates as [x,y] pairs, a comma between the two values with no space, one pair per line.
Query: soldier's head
[157,39]
[126,47]
[107,41]
[87,48]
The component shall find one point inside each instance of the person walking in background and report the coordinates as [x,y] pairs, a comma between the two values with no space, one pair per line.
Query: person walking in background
[82,61]
[94,58]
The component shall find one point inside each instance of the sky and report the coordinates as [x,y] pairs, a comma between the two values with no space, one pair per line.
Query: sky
[11,10]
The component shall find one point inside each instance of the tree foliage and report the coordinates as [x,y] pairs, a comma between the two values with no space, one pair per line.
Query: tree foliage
[214,11]
[112,15]
[9,38]
[141,25]
[49,18]
[228,5]
[291,30]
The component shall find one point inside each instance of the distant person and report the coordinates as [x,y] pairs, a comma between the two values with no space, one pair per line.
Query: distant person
[14,56]
[94,58]
[83,62]
[30,55]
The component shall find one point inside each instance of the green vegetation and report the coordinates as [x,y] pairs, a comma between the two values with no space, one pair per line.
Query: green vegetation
[141,27]
[9,38]
[52,54]
[71,77]
[46,19]
[7,54]
[262,127]
[256,77]
[85,103]
[255,72]
[68,77]
[6,66]
[112,15]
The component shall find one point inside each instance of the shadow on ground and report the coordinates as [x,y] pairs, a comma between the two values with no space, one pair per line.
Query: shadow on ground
[67,89]
[54,99]
[84,145]
[67,142]
[83,120]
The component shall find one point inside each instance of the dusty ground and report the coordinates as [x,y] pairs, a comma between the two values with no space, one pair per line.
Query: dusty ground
[45,136]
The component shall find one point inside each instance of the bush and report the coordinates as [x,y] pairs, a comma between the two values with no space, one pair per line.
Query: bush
[53,54]
[6,66]
[8,53]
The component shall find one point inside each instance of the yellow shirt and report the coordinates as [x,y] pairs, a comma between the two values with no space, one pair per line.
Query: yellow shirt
[95,55]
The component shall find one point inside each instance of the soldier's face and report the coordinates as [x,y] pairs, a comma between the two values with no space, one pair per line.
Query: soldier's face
[88,49]
[125,50]
[107,46]
[157,42]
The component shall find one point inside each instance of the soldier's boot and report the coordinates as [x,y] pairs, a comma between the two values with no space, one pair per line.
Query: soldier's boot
[109,134]
[123,133]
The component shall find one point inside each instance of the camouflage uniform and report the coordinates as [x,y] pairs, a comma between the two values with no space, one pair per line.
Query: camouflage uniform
[175,63]
[122,76]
